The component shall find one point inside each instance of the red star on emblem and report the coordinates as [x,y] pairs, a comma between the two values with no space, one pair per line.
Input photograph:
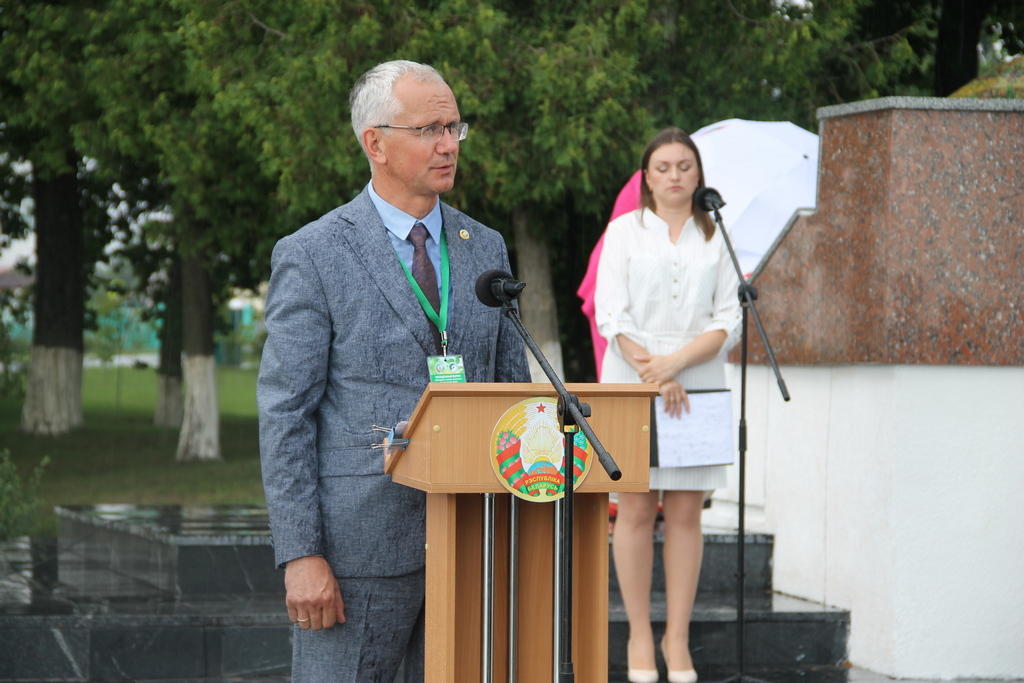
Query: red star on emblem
[540,408]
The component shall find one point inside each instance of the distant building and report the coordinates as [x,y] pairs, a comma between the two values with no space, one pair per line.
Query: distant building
[12,279]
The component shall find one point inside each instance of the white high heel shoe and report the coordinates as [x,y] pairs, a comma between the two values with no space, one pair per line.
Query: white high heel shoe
[679,675]
[638,675]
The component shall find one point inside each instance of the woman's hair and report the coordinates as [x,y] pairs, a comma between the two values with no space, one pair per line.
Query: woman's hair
[373,101]
[667,136]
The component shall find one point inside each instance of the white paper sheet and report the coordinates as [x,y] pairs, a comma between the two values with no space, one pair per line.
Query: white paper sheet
[702,436]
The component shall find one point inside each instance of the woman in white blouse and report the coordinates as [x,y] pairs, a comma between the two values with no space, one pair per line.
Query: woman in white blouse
[666,301]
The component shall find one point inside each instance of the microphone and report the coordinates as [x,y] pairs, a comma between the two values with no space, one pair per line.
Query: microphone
[708,199]
[496,288]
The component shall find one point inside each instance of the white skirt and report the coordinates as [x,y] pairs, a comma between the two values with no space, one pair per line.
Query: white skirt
[710,375]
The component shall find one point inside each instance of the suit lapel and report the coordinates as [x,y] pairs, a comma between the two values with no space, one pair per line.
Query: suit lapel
[366,235]
[463,267]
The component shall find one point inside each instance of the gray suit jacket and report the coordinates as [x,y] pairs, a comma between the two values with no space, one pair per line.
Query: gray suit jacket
[346,349]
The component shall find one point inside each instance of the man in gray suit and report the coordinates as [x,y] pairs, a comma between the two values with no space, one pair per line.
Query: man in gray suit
[351,322]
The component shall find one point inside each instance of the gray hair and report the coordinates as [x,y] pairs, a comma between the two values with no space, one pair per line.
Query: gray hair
[373,101]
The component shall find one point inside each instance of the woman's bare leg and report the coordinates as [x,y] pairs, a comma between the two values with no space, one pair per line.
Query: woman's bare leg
[633,550]
[683,553]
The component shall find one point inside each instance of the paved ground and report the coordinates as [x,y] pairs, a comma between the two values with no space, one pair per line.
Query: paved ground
[852,675]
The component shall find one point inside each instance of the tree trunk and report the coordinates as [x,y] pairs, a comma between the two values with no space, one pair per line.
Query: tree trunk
[53,403]
[956,48]
[537,302]
[200,428]
[168,391]
[169,401]
[199,438]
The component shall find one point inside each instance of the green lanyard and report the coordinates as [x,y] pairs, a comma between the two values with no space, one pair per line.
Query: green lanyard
[440,321]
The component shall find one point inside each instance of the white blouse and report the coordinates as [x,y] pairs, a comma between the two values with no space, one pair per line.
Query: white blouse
[664,295]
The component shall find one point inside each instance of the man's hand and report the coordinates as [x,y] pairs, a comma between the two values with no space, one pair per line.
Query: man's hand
[313,595]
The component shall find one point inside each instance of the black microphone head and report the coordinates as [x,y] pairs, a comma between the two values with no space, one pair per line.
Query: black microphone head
[484,290]
[708,199]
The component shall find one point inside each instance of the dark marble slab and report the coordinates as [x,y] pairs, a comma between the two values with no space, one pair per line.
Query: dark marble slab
[231,525]
[772,608]
[127,649]
[130,652]
[131,551]
[43,653]
[763,674]
[915,253]
[779,631]
[130,593]
[258,651]
[98,604]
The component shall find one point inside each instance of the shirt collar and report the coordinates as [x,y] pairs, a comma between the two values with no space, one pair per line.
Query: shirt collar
[651,221]
[399,223]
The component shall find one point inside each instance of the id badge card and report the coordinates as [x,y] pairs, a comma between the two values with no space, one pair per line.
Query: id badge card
[446,369]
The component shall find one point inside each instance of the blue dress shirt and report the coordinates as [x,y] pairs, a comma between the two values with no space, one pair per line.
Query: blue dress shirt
[399,224]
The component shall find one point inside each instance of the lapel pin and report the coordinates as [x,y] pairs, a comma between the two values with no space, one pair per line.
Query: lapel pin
[464,234]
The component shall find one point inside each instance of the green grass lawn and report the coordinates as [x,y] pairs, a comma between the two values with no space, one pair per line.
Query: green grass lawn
[120,457]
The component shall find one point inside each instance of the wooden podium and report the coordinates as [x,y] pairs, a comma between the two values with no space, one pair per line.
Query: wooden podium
[450,433]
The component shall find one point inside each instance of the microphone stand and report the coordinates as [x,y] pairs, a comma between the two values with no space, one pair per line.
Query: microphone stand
[572,417]
[747,294]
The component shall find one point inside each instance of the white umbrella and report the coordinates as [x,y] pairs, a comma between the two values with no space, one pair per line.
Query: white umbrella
[766,171]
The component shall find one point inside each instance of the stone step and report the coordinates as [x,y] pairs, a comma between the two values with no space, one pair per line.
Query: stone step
[779,631]
[806,673]
[128,550]
[718,572]
[169,593]
[104,625]
[229,551]
[133,640]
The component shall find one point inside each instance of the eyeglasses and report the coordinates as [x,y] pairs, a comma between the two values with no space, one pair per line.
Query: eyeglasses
[434,131]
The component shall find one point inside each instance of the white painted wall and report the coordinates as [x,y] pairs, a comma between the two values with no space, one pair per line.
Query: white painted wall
[896,492]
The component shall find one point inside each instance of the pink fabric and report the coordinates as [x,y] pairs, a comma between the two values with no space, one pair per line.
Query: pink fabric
[628,200]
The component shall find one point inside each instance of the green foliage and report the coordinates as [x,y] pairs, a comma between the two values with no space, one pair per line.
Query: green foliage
[13,188]
[553,96]
[118,321]
[232,117]
[13,366]
[160,122]
[119,456]
[19,502]
[42,90]
[14,352]
[1002,35]
[783,60]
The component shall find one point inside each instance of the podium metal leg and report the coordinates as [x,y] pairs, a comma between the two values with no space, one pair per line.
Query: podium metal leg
[513,584]
[556,622]
[487,651]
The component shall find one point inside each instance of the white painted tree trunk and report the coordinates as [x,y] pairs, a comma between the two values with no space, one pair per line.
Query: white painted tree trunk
[169,401]
[200,429]
[53,403]
[537,302]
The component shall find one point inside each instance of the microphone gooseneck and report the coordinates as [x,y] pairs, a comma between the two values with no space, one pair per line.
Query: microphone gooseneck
[708,199]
